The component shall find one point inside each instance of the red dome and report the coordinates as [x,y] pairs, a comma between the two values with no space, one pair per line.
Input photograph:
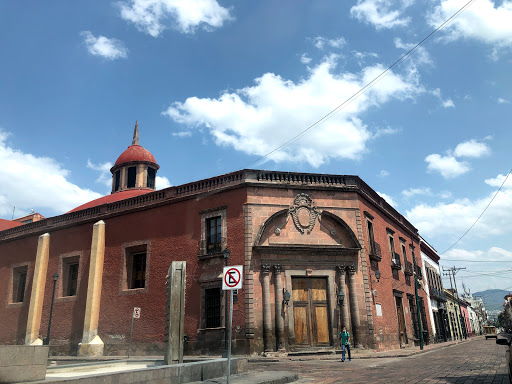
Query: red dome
[135,153]
[112,198]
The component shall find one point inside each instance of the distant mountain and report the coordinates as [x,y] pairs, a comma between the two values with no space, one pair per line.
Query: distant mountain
[493,298]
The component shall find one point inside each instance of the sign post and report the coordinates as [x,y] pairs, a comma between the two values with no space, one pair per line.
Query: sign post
[136,315]
[231,280]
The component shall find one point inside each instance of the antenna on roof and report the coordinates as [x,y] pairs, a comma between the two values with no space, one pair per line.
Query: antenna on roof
[135,140]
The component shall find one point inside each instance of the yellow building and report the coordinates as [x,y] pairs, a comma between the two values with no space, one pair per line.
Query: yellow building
[454,316]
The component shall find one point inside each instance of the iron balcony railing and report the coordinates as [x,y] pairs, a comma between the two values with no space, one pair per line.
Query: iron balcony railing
[438,294]
[408,270]
[209,248]
[395,261]
[375,252]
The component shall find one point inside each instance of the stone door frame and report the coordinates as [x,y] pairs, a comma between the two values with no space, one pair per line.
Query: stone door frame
[330,274]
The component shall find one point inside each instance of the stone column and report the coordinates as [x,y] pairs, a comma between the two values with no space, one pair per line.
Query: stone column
[354,307]
[91,344]
[279,308]
[267,310]
[37,296]
[342,287]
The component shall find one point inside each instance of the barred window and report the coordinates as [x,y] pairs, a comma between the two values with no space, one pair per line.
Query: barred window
[212,306]
[214,234]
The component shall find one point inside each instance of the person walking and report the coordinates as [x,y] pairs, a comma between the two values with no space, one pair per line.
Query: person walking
[344,337]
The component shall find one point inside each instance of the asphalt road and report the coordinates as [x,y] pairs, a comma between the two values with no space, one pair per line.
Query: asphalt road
[476,361]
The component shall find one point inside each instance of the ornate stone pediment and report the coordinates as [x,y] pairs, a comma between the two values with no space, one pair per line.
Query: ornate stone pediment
[303,213]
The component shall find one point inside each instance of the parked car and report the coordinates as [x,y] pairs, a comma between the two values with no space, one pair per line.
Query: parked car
[506,341]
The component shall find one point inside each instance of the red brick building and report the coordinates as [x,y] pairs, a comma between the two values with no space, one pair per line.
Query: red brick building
[310,244]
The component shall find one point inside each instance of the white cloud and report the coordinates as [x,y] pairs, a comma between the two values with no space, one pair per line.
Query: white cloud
[322,42]
[416,191]
[105,176]
[41,183]
[154,16]
[388,198]
[483,21]
[503,101]
[385,131]
[182,134]
[162,182]
[361,57]
[448,103]
[304,59]
[471,148]
[103,46]
[257,119]
[498,181]
[448,166]
[454,218]
[380,13]
[494,253]
[421,54]
[383,173]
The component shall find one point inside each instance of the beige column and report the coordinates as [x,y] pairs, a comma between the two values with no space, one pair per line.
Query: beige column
[267,310]
[91,344]
[139,181]
[279,308]
[342,288]
[37,296]
[354,307]
[124,179]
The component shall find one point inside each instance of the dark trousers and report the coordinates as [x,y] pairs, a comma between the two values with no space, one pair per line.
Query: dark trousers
[343,347]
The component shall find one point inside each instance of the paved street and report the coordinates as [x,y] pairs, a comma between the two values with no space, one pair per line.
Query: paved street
[475,361]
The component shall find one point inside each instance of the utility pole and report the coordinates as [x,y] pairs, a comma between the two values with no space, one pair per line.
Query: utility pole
[453,271]
[417,297]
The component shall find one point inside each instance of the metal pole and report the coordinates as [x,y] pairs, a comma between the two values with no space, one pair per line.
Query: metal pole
[131,334]
[228,374]
[226,318]
[51,311]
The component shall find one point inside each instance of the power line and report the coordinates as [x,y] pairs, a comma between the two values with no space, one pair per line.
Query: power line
[478,218]
[368,85]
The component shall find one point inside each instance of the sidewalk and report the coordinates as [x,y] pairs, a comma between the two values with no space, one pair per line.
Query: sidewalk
[365,353]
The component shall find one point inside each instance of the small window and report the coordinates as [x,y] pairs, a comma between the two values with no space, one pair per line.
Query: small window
[19,281]
[117,180]
[404,252]
[132,174]
[392,247]
[70,268]
[151,178]
[212,307]
[371,238]
[136,268]
[214,234]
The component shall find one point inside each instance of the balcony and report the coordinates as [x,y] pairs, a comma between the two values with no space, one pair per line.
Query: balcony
[417,269]
[207,249]
[375,252]
[409,271]
[437,294]
[395,261]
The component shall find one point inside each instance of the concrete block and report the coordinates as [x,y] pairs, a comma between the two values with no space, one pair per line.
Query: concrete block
[22,363]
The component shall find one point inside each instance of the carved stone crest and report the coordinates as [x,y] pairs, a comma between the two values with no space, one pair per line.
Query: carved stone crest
[303,213]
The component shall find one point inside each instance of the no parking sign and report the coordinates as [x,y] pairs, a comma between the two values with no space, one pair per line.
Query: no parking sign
[232,277]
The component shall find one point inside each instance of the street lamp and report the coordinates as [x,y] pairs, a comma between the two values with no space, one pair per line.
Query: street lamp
[55,277]
[341,297]
[226,252]
[286,296]
[377,275]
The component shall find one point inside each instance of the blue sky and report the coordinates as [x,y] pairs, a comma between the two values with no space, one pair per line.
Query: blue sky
[216,84]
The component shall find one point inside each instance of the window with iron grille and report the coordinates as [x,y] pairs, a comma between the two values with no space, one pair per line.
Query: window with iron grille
[70,268]
[138,275]
[214,234]
[371,238]
[19,281]
[212,307]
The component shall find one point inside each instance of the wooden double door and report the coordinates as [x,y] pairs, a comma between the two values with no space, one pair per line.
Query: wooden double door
[311,311]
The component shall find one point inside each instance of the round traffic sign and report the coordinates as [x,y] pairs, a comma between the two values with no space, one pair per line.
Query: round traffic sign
[232,277]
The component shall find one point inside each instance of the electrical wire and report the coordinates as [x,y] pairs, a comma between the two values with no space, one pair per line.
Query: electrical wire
[478,218]
[368,85]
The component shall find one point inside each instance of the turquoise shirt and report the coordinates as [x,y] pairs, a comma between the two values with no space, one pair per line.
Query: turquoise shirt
[344,336]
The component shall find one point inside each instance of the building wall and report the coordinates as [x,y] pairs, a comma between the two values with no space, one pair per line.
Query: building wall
[386,326]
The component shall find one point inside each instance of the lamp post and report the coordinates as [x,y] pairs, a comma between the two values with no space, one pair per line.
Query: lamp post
[377,275]
[55,277]
[226,252]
